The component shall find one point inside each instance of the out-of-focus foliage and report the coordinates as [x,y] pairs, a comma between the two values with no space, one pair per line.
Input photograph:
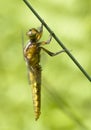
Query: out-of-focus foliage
[66,93]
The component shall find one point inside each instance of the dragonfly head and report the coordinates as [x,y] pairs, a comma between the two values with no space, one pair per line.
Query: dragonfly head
[34,34]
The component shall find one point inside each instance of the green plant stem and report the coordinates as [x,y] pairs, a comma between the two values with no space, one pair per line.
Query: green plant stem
[58,40]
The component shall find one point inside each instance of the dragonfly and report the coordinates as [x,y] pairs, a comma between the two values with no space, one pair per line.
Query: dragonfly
[31,52]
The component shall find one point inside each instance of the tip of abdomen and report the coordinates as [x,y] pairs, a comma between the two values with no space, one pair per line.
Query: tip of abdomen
[37,114]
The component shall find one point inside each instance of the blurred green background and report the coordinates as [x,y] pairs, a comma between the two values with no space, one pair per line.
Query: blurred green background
[66,93]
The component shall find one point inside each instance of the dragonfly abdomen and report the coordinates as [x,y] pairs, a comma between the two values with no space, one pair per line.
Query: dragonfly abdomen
[35,78]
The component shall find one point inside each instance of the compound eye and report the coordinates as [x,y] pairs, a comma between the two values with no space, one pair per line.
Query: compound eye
[31,32]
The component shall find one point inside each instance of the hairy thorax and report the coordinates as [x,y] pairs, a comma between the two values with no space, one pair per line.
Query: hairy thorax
[32,55]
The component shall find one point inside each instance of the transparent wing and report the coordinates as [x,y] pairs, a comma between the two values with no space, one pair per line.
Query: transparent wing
[28,68]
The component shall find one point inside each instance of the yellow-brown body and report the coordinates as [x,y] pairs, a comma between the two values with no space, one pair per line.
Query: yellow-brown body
[32,57]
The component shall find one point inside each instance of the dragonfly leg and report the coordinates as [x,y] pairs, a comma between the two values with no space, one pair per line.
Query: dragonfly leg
[40,29]
[46,42]
[49,40]
[51,53]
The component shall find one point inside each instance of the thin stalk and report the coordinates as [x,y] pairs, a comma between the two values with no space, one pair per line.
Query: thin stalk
[58,40]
